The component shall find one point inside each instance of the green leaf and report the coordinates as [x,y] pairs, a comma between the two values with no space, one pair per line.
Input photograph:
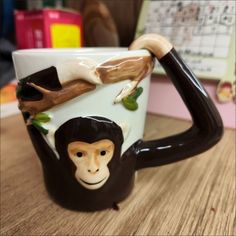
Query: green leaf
[137,93]
[130,103]
[42,117]
[39,126]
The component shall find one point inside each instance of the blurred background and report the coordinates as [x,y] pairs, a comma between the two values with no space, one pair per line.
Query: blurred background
[105,23]
[111,23]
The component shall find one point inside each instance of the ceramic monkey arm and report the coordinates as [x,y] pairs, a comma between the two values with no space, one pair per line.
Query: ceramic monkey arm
[207,127]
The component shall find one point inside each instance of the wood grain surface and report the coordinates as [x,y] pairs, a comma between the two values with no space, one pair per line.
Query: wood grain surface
[191,197]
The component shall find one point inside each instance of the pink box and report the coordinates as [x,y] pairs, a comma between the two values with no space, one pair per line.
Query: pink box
[165,100]
[48,28]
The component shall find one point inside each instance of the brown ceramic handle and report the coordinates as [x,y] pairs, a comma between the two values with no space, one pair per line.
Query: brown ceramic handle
[207,127]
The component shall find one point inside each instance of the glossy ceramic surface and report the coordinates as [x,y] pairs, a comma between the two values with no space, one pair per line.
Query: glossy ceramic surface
[85,115]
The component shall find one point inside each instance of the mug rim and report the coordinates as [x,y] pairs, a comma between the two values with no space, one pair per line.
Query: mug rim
[81,51]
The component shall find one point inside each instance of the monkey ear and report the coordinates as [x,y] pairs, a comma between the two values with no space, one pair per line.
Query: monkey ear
[125,129]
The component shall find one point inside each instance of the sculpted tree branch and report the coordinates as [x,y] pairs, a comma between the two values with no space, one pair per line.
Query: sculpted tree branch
[134,69]
[113,71]
[51,98]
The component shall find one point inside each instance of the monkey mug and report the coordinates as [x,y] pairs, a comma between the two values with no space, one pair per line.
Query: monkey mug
[85,111]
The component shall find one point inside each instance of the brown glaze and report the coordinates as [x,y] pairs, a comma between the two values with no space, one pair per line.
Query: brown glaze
[207,126]
[46,78]
[70,89]
[132,68]
[59,174]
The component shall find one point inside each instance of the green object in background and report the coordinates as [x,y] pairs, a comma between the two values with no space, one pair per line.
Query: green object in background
[130,102]
[38,120]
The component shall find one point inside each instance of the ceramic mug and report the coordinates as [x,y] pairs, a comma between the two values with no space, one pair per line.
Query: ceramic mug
[85,111]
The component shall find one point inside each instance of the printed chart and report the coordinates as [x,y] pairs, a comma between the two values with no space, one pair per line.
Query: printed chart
[202,32]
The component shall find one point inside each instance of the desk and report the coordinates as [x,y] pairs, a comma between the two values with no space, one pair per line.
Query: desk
[192,197]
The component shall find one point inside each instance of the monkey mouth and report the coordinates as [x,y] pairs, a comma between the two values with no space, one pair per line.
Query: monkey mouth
[93,183]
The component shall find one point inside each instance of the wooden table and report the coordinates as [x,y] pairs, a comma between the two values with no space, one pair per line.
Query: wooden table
[191,197]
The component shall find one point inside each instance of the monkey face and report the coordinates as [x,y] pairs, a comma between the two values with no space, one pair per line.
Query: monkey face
[91,160]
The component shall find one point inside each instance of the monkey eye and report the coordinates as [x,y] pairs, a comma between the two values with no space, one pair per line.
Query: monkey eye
[79,154]
[103,153]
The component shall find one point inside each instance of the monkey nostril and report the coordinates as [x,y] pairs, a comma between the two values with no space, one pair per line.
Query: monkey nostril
[93,171]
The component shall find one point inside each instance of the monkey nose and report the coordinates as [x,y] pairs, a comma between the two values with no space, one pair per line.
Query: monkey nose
[93,171]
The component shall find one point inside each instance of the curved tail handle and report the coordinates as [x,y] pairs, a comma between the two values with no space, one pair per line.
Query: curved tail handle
[207,127]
